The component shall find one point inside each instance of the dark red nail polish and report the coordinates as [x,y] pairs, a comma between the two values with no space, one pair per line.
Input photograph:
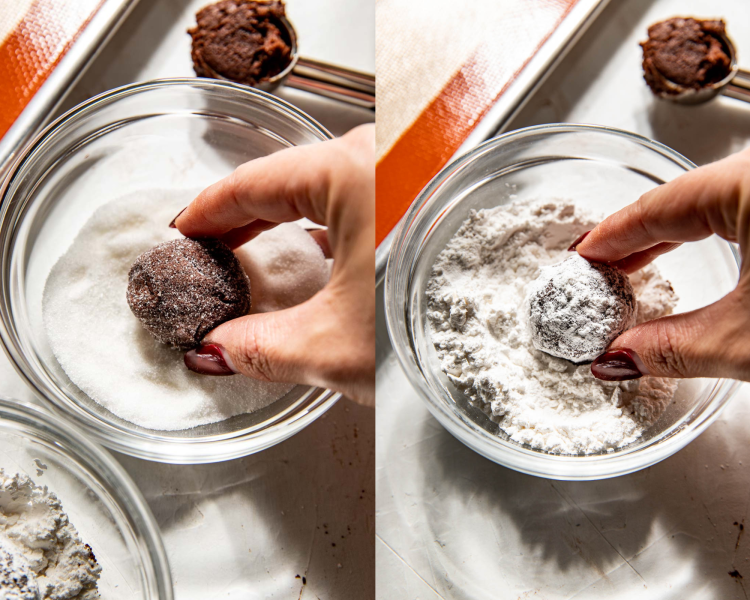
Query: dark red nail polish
[172,224]
[207,359]
[574,244]
[616,365]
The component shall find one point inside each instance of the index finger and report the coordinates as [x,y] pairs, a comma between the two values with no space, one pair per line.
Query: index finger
[282,187]
[690,208]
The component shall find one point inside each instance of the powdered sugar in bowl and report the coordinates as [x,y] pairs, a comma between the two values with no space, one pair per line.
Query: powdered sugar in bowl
[98,497]
[549,179]
[142,143]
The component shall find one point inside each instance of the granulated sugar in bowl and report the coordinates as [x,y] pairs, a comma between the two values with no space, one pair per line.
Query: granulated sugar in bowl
[150,147]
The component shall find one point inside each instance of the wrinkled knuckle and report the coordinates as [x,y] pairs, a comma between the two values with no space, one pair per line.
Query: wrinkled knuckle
[253,356]
[234,185]
[644,209]
[667,356]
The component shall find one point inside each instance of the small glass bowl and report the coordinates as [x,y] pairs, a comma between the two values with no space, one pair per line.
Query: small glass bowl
[103,503]
[602,169]
[172,133]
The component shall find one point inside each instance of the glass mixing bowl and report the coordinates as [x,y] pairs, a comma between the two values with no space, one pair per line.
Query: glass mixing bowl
[175,133]
[602,169]
[102,502]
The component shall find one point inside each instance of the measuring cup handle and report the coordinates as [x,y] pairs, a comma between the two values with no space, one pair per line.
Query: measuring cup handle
[331,81]
[739,87]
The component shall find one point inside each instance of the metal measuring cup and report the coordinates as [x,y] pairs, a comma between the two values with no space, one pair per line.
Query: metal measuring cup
[331,81]
[735,85]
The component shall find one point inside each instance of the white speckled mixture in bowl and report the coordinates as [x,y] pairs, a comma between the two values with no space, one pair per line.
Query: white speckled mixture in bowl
[477,311]
[96,495]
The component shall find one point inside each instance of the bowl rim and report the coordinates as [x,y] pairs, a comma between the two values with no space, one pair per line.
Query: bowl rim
[150,446]
[532,462]
[106,469]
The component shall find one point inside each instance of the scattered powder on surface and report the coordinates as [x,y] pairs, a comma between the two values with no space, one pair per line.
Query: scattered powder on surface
[476,297]
[41,554]
[104,349]
[576,308]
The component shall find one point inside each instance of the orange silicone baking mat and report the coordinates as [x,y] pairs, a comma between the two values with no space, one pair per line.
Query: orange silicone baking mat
[441,65]
[34,36]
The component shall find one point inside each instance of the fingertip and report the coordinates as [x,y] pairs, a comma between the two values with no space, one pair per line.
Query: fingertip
[209,359]
[573,247]
[618,365]
[173,222]
[603,243]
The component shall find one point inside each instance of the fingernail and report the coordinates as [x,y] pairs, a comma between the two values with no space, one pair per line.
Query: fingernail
[208,359]
[573,245]
[172,224]
[618,365]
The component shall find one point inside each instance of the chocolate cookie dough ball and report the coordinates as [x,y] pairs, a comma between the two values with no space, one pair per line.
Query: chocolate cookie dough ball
[241,40]
[576,308]
[688,52]
[181,290]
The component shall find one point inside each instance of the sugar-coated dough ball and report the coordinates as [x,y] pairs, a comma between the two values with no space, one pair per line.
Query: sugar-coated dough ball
[181,289]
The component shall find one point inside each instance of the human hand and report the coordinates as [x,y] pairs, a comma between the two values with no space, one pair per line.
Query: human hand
[708,342]
[329,340]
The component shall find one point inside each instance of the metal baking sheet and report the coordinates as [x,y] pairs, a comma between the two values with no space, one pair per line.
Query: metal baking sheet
[519,92]
[73,64]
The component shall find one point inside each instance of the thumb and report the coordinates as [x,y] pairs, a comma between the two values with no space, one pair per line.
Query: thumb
[265,346]
[301,344]
[708,342]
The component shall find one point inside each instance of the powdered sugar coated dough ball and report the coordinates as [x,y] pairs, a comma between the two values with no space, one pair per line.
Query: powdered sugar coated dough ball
[285,266]
[577,308]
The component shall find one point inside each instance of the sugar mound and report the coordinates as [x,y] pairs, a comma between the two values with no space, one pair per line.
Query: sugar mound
[41,553]
[286,267]
[103,348]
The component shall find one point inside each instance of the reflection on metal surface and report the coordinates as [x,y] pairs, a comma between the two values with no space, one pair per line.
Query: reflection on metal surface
[34,48]
[334,82]
[41,58]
